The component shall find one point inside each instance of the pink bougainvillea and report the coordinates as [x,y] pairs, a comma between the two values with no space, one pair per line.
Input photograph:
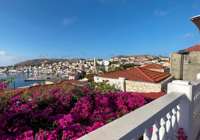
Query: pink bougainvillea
[2,86]
[62,114]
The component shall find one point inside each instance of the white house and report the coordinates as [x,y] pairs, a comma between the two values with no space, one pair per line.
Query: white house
[104,62]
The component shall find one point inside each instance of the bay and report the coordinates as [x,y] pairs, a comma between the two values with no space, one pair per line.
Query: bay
[19,81]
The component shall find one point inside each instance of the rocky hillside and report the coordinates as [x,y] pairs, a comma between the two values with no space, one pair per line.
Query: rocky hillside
[74,60]
[48,61]
[137,56]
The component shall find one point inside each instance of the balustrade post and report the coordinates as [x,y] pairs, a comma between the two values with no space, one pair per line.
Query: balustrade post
[147,134]
[136,138]
[185,112]
[156,127]
[169,125]
[163,130]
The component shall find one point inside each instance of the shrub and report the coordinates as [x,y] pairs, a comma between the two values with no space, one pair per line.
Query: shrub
[103,87]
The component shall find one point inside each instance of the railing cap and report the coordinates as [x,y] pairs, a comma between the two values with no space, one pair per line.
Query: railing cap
[181,82]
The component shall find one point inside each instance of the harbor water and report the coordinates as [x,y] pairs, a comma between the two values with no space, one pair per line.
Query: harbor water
[20,79]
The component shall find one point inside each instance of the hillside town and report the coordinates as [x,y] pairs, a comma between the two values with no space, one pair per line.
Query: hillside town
[93,66]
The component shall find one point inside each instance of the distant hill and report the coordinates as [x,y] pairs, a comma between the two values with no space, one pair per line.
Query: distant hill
[74,60]
[49,61]
[39,62]
[137,56]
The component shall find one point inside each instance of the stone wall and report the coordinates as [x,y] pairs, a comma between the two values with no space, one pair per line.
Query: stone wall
[191,65]
[175,63]
[137,86]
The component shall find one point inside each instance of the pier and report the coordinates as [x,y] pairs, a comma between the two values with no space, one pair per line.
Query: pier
[40,78]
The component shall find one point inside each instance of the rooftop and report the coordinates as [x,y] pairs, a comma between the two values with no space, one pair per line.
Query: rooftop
[193,48]
[154,95]
[145,64]
[138,74]
[73,74]
[35,89]
[154,66]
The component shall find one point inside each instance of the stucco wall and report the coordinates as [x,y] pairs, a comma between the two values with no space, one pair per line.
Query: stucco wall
[159,70]
[191,65]
[113,82]
[48,82]
[165,82]
[71,77]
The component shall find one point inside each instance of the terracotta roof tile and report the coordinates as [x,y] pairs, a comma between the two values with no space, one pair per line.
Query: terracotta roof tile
[73,74]
[193,48]
[90,79]
[154,66]
[76,82]
[145,64]
[35,89]
[154,95]
[138,74]
[17,90]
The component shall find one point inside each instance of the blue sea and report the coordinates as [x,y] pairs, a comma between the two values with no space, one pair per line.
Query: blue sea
[19,81]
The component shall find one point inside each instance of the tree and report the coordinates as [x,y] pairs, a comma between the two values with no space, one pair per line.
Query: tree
[90,75]
[104,87]
[156,58]
[126,66]
[82,74]
[4,84]
[115,70]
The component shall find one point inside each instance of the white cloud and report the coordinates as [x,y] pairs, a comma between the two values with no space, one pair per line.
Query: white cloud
[187,35]
[184,36]
[66,21]
[42,55]
[160,13]
[3,53]
[10,59]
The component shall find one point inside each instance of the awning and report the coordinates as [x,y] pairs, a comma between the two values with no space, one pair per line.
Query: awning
[196,21]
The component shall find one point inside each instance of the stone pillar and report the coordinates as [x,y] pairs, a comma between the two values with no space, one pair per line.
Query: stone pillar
[122,82]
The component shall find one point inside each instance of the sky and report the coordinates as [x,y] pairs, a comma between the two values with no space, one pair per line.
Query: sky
[32,29]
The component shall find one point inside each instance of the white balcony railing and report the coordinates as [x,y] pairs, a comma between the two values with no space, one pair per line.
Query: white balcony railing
[179,108]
